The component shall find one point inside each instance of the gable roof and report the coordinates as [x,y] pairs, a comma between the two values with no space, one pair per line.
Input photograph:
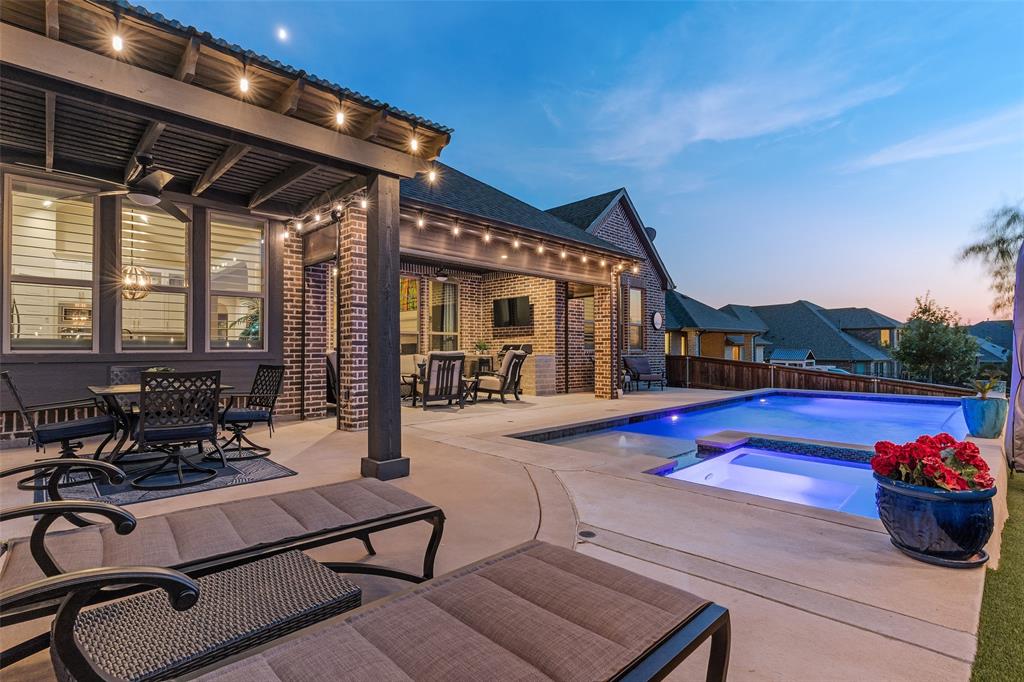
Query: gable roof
[589,214]
[803,324]
[990,353]
[746,315]
[462,193]
[999,332]
[861,318]
[791,354]
[584,212]
[684,312]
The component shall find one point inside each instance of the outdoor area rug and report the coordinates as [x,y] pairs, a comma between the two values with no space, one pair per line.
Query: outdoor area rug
[237,472]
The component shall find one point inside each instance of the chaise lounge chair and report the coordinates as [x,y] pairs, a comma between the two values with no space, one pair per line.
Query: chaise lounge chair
[535,611]
[198,541]
[639,369]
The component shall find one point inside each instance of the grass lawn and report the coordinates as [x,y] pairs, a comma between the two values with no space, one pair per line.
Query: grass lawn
[1001,633]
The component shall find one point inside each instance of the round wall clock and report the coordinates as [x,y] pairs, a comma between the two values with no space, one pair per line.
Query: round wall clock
[657,321]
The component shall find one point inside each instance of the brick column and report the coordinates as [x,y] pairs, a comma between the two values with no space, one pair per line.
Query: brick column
[606,342]
[315,321]
[291,306]
[351,301]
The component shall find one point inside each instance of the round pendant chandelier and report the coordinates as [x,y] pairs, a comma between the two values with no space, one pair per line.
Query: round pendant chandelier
[135,283]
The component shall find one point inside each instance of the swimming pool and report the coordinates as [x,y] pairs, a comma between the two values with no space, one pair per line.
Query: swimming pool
[813,481]
[857,420]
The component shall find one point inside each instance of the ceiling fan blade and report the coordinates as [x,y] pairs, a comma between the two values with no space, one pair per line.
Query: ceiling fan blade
[90,195]
[168,206]
[154,182]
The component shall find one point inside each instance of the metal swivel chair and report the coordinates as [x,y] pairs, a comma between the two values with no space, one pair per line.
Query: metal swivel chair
[258,408]
[177,409]
[67,433]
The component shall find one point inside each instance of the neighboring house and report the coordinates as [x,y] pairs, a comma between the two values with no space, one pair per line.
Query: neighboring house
[858,340]
[613,218]
[695,328]
[792,357]
[995,339]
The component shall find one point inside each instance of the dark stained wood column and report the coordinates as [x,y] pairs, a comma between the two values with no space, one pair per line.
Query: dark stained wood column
[384,442]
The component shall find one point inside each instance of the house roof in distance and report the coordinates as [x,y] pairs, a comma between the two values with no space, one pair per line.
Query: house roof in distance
[584,212]
[684,312]
[990,353]
[803,324]
[791,354]
[999,332]
[465,194]
[861,318]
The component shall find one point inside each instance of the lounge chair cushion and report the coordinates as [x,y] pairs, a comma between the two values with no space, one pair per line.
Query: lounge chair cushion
[534,612]
[78,428]
[172,434]
[189,536]
[490,383]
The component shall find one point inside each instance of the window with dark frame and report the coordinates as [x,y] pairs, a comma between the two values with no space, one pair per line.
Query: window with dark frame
[154,247]
[238,299]
[444,316]
[51,268]
[635,321]
[588,323]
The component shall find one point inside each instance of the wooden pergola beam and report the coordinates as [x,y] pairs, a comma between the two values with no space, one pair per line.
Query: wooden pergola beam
[288,177]
[372,125]
[288,102]
[185,73]
[336,193]
[51,121]
[52,20]
[80,74]
[222,165]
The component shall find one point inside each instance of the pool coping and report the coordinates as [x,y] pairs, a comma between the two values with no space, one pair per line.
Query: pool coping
[546,435]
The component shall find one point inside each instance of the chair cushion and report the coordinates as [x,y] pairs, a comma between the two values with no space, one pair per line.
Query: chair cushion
[245,414]
[535,612]
[490,383]
[174,434]
[182,538]
[77,428]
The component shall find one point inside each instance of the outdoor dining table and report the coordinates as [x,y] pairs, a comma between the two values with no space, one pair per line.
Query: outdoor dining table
[109,395]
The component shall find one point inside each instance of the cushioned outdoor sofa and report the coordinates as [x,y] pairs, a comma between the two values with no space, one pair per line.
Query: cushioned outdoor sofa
[198,541]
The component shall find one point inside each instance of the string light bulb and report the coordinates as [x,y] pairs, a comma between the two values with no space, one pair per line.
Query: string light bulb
[432,176]
[602,262]
[487,236]
[414,142]
[316,217]
[515,242]
[363,203]
[420,220]
[243,83]
[117,42]
[563,254]
[636,269]
[583,258]
[339,117]
[455,229]
[540,247]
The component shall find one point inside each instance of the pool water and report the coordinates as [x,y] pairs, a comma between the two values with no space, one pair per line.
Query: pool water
[859,421]
[813,481]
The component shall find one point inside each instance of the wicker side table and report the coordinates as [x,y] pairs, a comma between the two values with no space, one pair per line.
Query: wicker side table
[143,638]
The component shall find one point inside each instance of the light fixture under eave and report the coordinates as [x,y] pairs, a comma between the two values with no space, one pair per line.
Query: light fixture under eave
[441,275]
[456,229]
[135,283]
[339,118]
[432,176]
[117,42]
[414,143]
[603,263]
[563,254]
[540,247]
[487,236]
[421,221]
[515,242]
[243,84]
[363,203]
[636,269]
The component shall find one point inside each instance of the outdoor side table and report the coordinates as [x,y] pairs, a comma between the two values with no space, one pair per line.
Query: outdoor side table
[143,638]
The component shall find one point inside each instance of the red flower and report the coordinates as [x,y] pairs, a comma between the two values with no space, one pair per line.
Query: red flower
[931,466]
[984,480]
[944,440]
[965,451]
[884,465]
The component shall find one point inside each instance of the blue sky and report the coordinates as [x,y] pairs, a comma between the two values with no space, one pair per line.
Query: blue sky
[840,153]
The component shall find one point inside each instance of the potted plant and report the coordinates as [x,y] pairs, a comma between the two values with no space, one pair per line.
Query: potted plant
[985,416]
[934,497]
[482,347]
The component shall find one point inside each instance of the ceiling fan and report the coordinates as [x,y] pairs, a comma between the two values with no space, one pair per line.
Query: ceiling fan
[145,190]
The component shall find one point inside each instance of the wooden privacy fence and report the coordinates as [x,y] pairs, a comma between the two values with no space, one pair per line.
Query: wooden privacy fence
[698,372]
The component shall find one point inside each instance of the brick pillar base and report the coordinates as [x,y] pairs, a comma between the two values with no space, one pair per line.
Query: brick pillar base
[606,346]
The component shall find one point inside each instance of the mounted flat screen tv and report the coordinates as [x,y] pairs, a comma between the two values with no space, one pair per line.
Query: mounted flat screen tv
[512,312]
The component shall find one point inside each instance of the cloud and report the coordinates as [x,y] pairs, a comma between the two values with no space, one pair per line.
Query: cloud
[649,124]
[1002,127]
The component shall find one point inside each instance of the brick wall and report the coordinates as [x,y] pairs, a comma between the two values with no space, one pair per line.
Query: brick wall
[317,282]
[352,283]
[580,359]
[619,229]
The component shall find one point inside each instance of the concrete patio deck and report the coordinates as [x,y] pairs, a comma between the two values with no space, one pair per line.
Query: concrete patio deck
[814,595]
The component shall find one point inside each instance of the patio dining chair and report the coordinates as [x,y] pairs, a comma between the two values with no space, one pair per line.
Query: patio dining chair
[258,409]
[176,410]
[506,380]
[442,380]
[66,433]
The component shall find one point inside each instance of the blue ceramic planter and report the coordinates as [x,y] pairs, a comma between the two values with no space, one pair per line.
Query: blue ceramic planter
[948,528]
[985,418]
